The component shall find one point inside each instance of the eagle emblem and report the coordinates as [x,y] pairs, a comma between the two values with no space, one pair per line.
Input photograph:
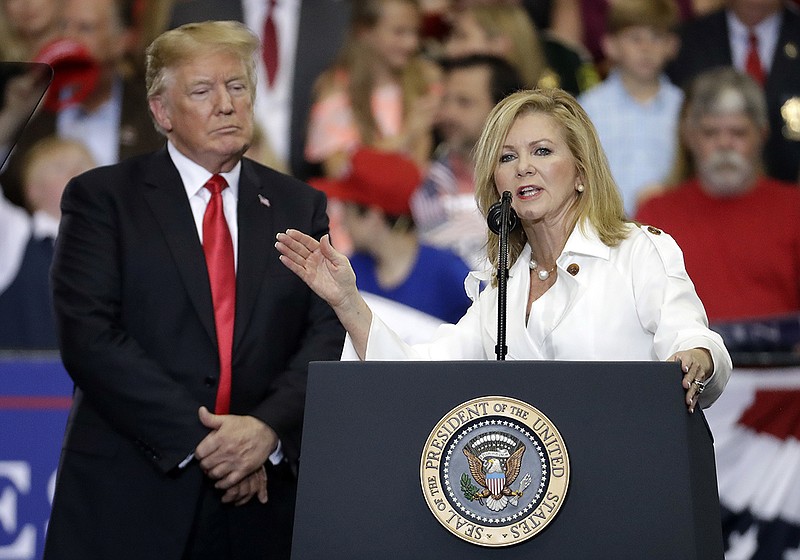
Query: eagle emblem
[495,461]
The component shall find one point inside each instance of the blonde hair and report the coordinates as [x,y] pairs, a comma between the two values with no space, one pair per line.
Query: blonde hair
[48,147]
[509,19]
[52,161]
[187,42]
[600,204]
[355,61]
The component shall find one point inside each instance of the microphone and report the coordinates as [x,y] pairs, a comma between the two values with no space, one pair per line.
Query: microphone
[494,217]
[502,219]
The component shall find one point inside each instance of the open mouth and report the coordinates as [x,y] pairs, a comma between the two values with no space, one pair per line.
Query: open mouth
[528,191]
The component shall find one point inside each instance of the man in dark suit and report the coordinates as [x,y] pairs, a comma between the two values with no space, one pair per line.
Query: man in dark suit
[320,26]
[150,256]
[721,38]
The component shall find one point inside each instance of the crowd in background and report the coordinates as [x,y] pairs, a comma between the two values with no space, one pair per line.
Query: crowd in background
[380,103]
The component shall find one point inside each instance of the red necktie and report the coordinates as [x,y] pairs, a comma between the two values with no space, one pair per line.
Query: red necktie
[753,63]
[218,248]
[270,44]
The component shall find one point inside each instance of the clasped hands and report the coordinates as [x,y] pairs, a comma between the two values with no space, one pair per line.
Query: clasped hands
[234,454]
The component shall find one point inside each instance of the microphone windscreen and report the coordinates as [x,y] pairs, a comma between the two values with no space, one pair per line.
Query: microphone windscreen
[494,218]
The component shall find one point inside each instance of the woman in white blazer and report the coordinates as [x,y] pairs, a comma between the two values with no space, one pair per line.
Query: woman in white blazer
[585,283]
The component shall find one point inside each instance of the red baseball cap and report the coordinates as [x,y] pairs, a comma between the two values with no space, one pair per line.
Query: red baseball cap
[383,179]
[73,67]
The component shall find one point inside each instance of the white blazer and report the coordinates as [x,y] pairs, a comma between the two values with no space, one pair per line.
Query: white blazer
[630,302]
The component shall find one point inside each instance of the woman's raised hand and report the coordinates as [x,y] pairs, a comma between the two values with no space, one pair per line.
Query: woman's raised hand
[329,274]
[318,264]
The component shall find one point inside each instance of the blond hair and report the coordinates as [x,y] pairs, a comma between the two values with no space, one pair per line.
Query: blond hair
[48,147]
[354,62]
[599,205]
[187,42]
[508,18]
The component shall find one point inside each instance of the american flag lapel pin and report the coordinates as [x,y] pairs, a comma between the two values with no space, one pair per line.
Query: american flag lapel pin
[264,200]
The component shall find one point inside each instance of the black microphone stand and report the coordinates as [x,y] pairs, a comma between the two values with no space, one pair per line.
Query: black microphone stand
[502,219]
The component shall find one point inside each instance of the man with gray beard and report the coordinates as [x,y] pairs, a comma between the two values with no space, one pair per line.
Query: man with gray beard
[739,229]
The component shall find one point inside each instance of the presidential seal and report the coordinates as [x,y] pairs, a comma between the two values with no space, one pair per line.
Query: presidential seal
[494,471]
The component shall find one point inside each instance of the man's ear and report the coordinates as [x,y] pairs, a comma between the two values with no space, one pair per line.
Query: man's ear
[160,112]
[673,45]
[608,43]
[764,135]
[686,133]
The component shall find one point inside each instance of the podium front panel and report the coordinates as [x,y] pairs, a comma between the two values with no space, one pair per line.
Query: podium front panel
[642,481]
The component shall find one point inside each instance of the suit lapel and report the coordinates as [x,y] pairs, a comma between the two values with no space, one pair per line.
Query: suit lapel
[256,227]
[166,196]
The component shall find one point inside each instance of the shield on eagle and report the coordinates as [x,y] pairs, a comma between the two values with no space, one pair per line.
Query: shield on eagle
[495,482]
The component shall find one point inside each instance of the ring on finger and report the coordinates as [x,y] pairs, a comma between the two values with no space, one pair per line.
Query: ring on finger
[701,386]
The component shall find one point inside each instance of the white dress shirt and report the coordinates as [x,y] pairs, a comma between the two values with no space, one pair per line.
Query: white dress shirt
[739,35]
[194,178]
[273,106]
[98,130]
[630,302]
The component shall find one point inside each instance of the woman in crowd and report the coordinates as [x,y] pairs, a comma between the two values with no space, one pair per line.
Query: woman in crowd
[585,284]
[379,93]
[503,28]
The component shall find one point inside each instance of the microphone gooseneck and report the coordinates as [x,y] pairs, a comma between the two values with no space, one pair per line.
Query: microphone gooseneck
[502,219]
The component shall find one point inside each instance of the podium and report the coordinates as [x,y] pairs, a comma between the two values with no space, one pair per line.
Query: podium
[642,480]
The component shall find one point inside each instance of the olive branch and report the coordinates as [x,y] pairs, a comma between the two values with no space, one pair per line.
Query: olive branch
[469,489]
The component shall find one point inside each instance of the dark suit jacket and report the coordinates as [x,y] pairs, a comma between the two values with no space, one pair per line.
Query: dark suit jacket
[137,135]
[705,44]
[322,27]
[136,328]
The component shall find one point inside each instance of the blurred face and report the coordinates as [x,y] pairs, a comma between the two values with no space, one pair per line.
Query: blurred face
[468,37]
[641,52]
[52,173]
[30,17]
[727,151]
[752,12]
[357,224]
[539,170]
[95,24]
[395,37]
[465,105]
[207,110]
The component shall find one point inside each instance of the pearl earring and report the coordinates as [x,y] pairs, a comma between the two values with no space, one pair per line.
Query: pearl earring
[580,188]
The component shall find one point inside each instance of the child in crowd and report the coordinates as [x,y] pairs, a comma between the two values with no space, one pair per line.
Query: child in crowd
[635,109]
[388,258]
[380,93]
[26,318]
